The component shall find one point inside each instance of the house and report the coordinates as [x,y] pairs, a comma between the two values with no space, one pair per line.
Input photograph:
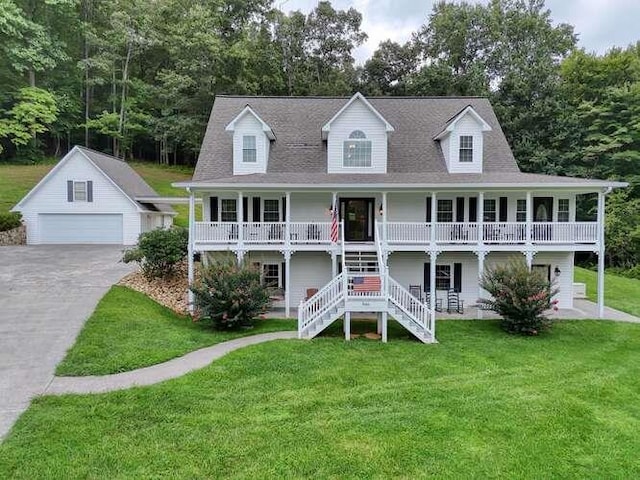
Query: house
[380,204]
[93,198]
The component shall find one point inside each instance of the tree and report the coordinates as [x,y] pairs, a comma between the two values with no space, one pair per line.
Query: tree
[389,69]
[33,111]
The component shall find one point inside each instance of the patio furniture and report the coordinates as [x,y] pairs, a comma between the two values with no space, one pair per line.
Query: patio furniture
[454,304]
[416,291]
[438,302]
[310,293]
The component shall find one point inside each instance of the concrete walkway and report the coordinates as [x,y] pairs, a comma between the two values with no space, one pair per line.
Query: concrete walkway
[161,372]
[589,309]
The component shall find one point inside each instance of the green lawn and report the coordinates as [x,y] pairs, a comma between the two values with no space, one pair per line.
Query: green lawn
[128,330]
[17,180]
[619,292]
[480,404]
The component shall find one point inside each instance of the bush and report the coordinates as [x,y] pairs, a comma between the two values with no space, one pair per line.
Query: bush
[158,251]
[520,296]
[633,272]
[231,296]
[10,220]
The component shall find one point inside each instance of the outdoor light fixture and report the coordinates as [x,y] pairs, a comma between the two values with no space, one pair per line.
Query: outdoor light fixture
[557,271]
[380,210]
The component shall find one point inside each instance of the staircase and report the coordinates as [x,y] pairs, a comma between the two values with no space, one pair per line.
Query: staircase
[364,286]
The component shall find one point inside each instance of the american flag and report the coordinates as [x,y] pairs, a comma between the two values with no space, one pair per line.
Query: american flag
[366,284]
[334,223]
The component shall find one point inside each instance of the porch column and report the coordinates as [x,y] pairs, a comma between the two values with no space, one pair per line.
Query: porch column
[347,325]
[240,214]
[480,218]
[529,213]
[433,257]
[190,249]
[287,220]
[334,264]
[601,205]
[287,283]
[481,256]
[384,217]
[434,214]
[384,327]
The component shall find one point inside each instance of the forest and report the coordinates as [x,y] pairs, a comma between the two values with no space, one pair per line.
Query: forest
[137,78]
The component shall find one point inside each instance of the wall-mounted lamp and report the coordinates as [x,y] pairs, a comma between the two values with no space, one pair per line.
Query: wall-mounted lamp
[557,271]
[380,210]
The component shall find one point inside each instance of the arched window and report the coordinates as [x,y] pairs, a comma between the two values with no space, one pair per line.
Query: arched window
[357,150]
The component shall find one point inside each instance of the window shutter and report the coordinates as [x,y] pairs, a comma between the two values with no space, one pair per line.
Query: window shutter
[256,209]
[245,209]
[69,190]
[282,275]
[213,212]
[503,209]
[473,209]
[457,277]
[284,208]
[89,191]
[460,209]
[427,277]
[428,209]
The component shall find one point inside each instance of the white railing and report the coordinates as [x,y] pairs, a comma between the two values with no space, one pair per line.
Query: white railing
[262,232]
[569,232]
[408,232]
[456,232]
[216,232]
[327,298]
[358,285]
[504,232]
[417,311]
[310,232]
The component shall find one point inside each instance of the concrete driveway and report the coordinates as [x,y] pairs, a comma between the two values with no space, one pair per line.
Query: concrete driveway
[46,294]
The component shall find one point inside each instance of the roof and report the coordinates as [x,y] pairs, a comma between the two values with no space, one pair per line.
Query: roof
[126,178]
[326,128]
[451,123]
[247,110]
[414,156]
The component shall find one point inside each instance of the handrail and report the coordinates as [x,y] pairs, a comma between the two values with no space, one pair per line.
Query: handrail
[321,302]
[417,311]
[383,268]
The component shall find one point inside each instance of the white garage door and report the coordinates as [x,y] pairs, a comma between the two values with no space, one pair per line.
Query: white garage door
[80,228]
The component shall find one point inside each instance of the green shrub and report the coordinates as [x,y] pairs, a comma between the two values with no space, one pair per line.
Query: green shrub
[520,296]
[632,272]
[229,294]
[10,220]
[159,251]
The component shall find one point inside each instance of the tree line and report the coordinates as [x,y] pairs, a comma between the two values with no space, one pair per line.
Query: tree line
[137,78]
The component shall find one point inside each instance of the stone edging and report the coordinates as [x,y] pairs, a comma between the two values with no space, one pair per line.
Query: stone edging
[17,236]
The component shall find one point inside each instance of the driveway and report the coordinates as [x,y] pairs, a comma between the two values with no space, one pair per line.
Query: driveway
[46,294]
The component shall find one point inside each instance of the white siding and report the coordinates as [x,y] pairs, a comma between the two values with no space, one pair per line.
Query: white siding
[249,125]
[51,197]
[466,126]
[151,221]
[357,117]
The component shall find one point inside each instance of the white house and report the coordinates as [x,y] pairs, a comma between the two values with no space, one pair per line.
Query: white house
[426,193]
[90,197]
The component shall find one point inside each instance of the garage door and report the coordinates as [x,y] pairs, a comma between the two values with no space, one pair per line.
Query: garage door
[80,228]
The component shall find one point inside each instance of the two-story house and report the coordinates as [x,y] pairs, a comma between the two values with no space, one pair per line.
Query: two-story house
[385,204]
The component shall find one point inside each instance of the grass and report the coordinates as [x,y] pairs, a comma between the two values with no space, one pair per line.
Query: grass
[619,292]
[480,404]
[17,180]
[128,330]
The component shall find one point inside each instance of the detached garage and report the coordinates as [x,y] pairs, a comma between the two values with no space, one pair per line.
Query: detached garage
[91,198]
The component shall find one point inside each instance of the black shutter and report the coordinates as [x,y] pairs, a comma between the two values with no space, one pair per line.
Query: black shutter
[460,209]
[284,208]
[457,277]
[69,190]
[283,278]
[256,209]
[428,209]
[427,277]
[89,191]
[245,209]
[473,209]
[213,206]
[503,209]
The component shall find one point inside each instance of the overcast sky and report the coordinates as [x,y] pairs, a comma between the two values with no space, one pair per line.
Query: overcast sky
[600,24]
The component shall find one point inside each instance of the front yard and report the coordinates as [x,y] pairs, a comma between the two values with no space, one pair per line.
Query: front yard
[478,404]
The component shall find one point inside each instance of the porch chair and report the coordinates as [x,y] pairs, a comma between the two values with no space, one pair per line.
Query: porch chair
[454,304]
[310,293]
[416,291]
[438,302]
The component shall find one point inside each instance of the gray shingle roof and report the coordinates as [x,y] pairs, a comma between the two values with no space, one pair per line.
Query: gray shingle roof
[125,177]
[299,155]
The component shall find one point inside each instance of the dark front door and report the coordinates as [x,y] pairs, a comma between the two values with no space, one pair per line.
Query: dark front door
[543,209]
[357,214]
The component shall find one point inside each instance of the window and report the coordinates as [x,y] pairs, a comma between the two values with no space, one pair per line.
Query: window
[445,211]
[489,210]
[357,150]
[466,148]
[521,210]
[271,275]
[443,277]
[79,191]
[271,211]
[563,210]
[249,153]
[229,212]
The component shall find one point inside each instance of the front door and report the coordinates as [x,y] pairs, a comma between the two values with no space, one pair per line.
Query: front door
[357,214]
[543,209]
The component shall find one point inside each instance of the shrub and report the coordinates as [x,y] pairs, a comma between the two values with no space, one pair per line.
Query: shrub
[158,251]
[230,295]
[520,296]
[10,220]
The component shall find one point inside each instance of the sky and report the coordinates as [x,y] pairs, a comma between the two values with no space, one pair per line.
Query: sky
[600,24]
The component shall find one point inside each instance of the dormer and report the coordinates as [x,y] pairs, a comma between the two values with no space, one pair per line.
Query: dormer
[357,138]
[251,141]
[462,141]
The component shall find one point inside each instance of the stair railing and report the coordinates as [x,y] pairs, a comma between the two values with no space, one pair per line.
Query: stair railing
[412,307]
[328,297]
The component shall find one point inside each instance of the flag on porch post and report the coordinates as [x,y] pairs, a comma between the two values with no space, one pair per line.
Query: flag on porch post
[334,223]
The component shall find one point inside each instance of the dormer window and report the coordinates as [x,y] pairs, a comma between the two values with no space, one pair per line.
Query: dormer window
[466,148]
[357,150]
[249,151]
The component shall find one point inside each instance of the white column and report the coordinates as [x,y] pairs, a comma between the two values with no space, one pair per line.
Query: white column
[480,217]
[240,210]
[433,256]
[384,217]
[347,325]
[334,264]
[434,214]
[601,205]
[287,283]
[384,327]
[481,256]
[287,220]
[379,323]
[529,218]
[190,247]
